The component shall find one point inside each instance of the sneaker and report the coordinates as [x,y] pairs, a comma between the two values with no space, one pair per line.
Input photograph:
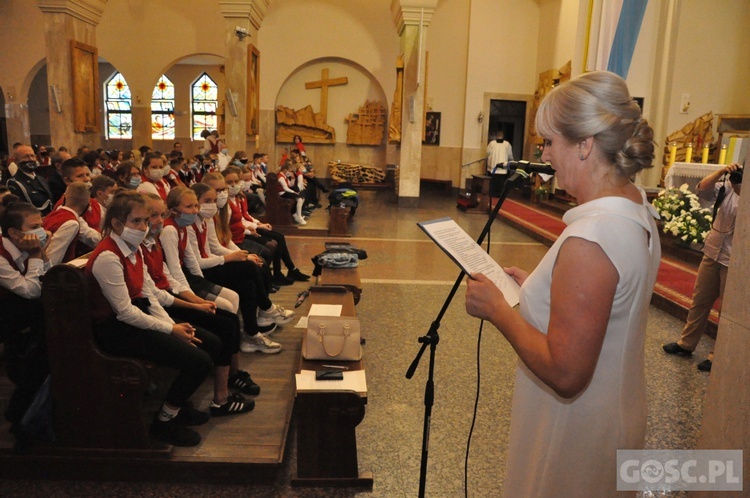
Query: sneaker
[190,417]
[259,342]
[235,405]
[676,349]
[267,330]
[174,433]
[281,280]
[242,382]
[299,220]
[276,314]
[705,366]
[297,275]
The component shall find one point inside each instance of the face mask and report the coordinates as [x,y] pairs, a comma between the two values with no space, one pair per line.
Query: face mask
[246,186]
[28,165]
[166,171]
[234,190]
[133,237]
[221,199]
[244,161]
[155,230]
[185,220]
[155,174]
[208,210]
[135,181]
[108,200]
[88,184]
[40,234]
[225,151]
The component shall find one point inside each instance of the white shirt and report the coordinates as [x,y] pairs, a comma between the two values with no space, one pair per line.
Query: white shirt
[212,259]
[28,286]
[213,240]
[110,275]
[498,152]
[63,237]
[174,284]
[224,160]
[169,243]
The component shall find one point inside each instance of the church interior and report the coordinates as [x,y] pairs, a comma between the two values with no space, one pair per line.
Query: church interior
[413,90]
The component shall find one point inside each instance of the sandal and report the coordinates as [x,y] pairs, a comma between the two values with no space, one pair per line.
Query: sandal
[243,383]
[235,405]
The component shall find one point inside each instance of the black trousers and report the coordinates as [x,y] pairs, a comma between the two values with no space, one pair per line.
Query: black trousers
[497,182]
[25,349]
[193,363]
[246,279]
[282,250]
[224,325]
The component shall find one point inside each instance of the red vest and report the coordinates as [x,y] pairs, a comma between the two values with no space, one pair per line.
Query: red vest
[174,179]
[201,235]
[101,310]
[93,215]
[182,240]
[54,221]
[154,259]
[162,187]
[235,221]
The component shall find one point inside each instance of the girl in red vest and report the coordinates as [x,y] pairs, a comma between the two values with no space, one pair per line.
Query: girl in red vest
[183,305]
[286,189]
[23,261]
[152,178]
[129,321]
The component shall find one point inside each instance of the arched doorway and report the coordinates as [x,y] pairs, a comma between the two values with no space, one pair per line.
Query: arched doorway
[39,129]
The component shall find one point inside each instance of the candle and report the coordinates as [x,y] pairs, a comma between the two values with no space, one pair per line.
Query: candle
[672,153]
[704,158]
[689,153]
[723,154]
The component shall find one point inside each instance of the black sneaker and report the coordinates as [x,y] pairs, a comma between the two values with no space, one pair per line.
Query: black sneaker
[243,383]
[297,275]
[281,280]
[705,366]
[174,433]
[235,405]
[190,417]
[676,349]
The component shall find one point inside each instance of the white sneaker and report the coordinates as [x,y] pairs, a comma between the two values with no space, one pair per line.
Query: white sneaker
[276,314]
[258,342]
[299,219]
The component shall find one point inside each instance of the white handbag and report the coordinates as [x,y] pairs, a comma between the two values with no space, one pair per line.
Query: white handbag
[332,338]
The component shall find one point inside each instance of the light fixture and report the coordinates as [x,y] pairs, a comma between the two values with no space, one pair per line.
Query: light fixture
[480,118]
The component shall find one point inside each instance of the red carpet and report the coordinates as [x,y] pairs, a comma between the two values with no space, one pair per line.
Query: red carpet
[674,282]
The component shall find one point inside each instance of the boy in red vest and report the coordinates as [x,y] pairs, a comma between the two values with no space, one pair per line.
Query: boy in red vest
[65,223]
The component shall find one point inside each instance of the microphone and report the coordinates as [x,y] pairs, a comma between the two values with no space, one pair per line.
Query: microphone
[530,167]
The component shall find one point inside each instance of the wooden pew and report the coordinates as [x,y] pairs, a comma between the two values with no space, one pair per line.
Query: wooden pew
[341,277]
[97,399]
[278,209]
[327,420]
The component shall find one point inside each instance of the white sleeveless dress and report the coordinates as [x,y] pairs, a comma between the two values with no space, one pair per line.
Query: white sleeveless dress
[567,447]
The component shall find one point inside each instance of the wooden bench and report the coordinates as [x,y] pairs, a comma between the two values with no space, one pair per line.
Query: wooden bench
[97,399]
[338,221]
[278,209]
[327,420]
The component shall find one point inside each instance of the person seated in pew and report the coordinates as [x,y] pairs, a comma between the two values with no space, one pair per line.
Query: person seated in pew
[231,271]
[103,190]
[253,191]
[286,190]
[129,321]
[241,222]
[152,176]
[23,261]
[183,305]
[74,170]
[128,175]
[64,223]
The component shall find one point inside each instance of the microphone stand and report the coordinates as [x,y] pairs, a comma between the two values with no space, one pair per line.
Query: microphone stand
[433,338]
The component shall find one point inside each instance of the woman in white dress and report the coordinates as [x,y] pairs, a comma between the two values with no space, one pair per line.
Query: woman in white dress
[580,392]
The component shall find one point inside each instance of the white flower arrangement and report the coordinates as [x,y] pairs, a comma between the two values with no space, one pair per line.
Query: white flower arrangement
[682,215]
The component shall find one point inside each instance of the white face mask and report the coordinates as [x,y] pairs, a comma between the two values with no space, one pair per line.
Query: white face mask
[167,170]
[246,186]
[234,190]
[155,174]
[208,210]
[221,199]
[106,202]
[133,237]
[40,234]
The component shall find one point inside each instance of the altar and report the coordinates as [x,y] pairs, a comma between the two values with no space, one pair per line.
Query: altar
[690,173]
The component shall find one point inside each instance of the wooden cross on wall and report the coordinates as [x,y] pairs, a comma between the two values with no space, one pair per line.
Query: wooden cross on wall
[323,83]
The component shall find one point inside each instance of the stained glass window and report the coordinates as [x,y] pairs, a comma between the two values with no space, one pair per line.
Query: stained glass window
[117,103]
[162,110]
[205,101]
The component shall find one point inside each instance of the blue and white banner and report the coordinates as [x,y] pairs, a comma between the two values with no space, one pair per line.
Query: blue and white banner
[614,26]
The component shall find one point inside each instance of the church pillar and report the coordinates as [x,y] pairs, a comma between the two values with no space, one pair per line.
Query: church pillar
[16,120]
[66,20]
[246,15]
[141,115]
[412,17]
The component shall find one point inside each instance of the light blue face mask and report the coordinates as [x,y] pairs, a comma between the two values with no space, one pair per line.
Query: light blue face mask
[185,220]
[40,233]
[135,181]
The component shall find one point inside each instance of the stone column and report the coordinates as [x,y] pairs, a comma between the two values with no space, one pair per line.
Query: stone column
[66,20]
[141,114]
[726,417]
[16,119]
[410,16]
[247,15]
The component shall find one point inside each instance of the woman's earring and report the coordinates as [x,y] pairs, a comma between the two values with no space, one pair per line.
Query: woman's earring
[581,157]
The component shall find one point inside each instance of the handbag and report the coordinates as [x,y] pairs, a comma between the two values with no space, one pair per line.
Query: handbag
[332,338]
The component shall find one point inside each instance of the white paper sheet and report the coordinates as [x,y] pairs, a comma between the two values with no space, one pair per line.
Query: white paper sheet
[353,381]
[469,256]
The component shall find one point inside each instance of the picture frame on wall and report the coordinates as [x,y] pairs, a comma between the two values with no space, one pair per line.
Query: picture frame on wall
[253,87]
[431,128]
[85,77]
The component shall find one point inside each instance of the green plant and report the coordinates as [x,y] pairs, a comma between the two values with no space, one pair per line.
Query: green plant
[682,215]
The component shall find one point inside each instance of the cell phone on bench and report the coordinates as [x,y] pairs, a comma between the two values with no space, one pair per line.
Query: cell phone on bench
[329,375]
